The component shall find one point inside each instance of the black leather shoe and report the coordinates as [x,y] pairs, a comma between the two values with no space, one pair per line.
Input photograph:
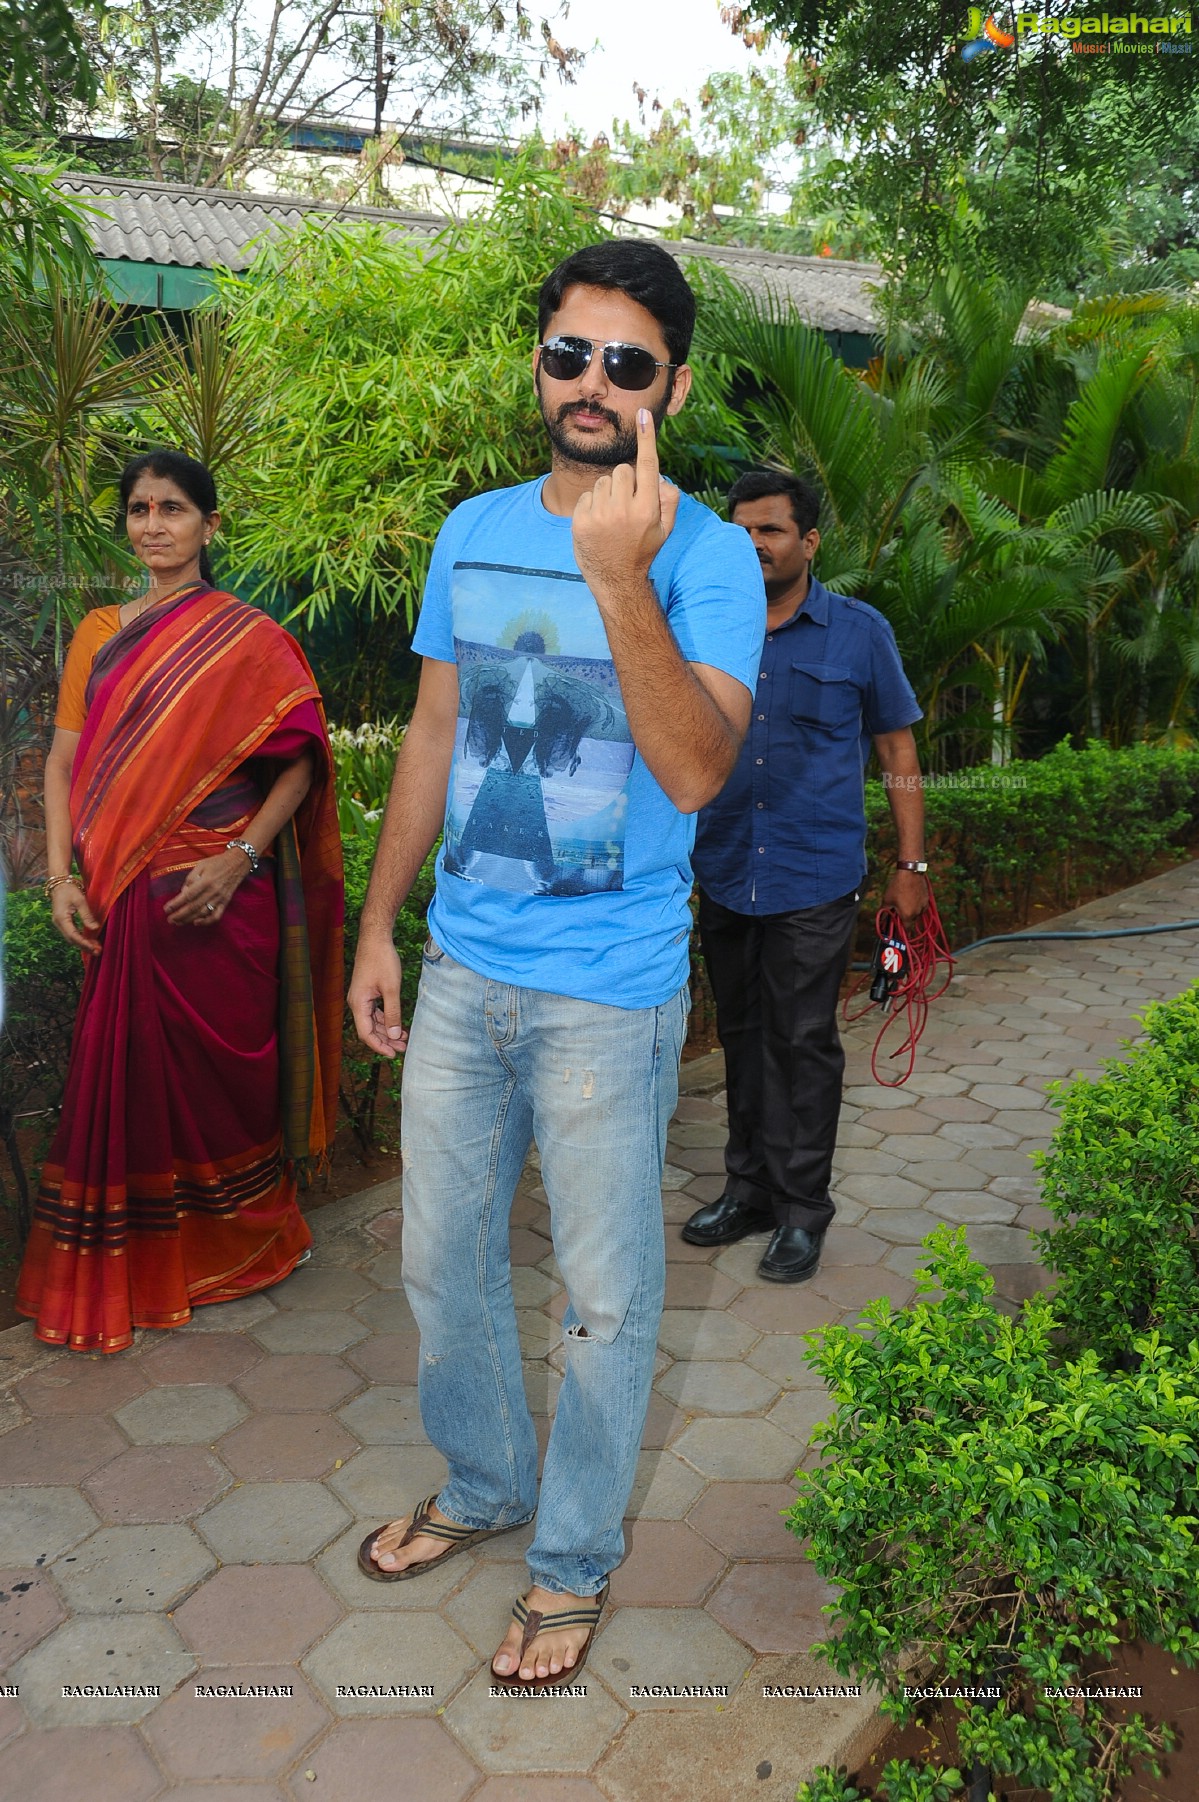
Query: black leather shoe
[724,1221]
[792,1255]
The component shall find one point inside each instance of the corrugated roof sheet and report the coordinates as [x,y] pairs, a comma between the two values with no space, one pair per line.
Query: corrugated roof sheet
[208,228]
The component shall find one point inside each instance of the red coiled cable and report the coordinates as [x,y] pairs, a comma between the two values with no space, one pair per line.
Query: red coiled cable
[925,946]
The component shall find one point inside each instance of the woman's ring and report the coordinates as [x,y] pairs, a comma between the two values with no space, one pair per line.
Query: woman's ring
[210,907]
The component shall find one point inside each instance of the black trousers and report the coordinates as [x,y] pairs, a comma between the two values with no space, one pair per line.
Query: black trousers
[776,979]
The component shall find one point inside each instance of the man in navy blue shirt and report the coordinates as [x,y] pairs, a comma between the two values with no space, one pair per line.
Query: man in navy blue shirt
[780,857]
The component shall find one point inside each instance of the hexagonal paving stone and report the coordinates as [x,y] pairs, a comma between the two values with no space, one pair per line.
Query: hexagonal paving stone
[784,1308]
[481,1610]
[712,1131]
[133,1654]
[507,1735]
[338,1566]
[272,1523]
[776,1607]
[889,1191]
[724,1388]
[76,1385]
[386,1311]
[962,1205]
[538,1789]
[531,1288]
[664,1487]
[698,1285]
[133,1570]
[850,1245]
[656,1647]
[691,1333]
[667,1565]
[298,1381]
[181,1414]
[220,1792]
[537,1331]
[214,1358]
[29,1609]
[59,1448]
[382,1482]
[851,1286]
[387,1357]
[747,1747]
[386,1415]
[386,1269]
[675,1177]
[257,1614]
[157,1482]
[213,1737]
[360,1760]
[105,1764]
[317,1286]
[370,1654]
[309,1330]
[274,1447]
[745,1520]
[1001,1244]
[37,1525]
[799,1411]
[662,1421]
[902,1226]
[387,1227]
[737,1449]
[785,1359]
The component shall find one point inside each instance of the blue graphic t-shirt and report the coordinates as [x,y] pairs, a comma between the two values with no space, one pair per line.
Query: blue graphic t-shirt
[565,867]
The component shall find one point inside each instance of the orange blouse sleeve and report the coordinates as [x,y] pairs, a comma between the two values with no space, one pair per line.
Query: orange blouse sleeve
[93,630]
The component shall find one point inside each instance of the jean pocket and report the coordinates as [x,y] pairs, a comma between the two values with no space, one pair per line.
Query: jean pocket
[432,953]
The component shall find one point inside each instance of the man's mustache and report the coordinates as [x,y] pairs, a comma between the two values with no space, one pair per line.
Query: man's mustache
[583,406]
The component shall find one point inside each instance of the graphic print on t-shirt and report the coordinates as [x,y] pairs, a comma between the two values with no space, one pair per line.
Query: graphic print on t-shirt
[542,753]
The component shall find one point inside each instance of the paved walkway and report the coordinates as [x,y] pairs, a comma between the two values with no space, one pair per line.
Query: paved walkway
[185,1515]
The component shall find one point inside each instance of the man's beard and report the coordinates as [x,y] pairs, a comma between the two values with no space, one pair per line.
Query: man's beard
[594,453]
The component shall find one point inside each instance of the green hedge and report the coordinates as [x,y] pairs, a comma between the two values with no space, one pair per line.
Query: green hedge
[1071,823]
[995,1514]
[1121,1179]
[1006,1500]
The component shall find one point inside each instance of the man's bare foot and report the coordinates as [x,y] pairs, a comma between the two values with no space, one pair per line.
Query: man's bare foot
[390,1556]
[555,1650]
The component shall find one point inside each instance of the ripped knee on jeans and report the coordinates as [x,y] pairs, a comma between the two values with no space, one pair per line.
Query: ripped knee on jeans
[577,1332]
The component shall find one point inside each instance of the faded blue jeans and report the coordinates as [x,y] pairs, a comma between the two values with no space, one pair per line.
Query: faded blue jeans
[489,1068]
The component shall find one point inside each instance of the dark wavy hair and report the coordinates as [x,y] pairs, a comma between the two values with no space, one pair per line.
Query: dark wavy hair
[760,484]
[633,266]
[186,473]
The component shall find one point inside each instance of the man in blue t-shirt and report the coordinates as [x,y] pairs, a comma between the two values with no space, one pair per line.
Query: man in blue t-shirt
[590,645]
[780,856]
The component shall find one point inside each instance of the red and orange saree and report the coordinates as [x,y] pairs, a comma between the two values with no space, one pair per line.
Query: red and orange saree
[204,1062]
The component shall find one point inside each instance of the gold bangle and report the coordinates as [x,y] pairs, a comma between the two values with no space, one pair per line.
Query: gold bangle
[53,882]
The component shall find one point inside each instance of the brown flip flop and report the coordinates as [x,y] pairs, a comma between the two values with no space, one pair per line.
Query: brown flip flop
[457,1538]
[532,1622]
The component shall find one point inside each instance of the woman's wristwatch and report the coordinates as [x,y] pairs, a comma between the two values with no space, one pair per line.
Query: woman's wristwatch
[243,844]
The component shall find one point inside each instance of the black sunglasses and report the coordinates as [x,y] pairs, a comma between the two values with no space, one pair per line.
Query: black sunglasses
[625,365]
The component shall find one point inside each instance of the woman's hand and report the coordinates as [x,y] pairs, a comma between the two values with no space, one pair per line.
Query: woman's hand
[208,890]
[73,917]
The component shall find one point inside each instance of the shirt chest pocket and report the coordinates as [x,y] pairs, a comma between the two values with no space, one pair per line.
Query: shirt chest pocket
[825,695]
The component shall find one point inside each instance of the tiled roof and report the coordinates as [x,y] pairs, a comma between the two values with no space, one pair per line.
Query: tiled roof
[206,228]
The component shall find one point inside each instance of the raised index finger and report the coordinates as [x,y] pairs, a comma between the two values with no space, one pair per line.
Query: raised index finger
[648,471]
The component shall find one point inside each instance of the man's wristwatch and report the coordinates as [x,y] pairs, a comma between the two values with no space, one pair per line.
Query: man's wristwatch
[917,869]
[243,844]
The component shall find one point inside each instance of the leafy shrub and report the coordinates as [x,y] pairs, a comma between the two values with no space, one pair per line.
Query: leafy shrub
[363,760]
[995,1515]
[43,976]
[1068,823]
[1121,1179]
[901,1781]
[364,1077]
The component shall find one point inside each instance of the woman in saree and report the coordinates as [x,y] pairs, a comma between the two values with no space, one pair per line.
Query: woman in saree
[191,776]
